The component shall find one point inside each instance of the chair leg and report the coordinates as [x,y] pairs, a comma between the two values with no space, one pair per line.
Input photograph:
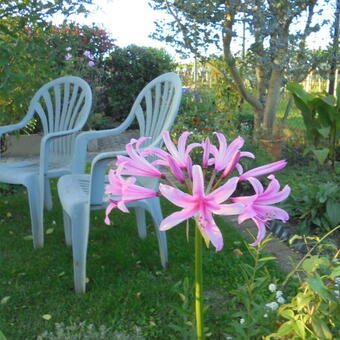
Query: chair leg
[47,195]
[141,225]
[155,210]
[67,229]
[36,211]
[80,233]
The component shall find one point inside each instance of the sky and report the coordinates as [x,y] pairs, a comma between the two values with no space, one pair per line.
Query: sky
[132,21]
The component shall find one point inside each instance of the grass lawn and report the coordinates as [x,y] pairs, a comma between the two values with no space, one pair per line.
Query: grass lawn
[127,286]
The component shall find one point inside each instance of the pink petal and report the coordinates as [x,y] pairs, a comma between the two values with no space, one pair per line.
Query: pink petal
[264,170]
[220,157]
[209,227]
[169,144]
[231,164]
[261,233]
[176,170]
[176,196]
[271,213]
[256,185]
[230,209]
[182,142]
[108,209]
[176,218]
[224,191]
[198,181]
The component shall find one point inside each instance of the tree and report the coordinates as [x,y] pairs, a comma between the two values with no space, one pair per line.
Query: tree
[196,25]
[27,60]
[334,61]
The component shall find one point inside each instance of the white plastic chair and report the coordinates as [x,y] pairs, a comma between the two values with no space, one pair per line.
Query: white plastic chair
[155,109]
[63,106]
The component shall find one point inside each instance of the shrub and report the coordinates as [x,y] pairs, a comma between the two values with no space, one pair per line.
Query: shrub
[315,206]
[127,71]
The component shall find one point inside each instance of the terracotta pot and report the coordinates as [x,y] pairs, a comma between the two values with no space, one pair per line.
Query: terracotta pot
[273,147]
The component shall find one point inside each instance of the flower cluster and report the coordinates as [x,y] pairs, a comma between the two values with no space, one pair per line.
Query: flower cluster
[87,54]
[274,305]
[209,185]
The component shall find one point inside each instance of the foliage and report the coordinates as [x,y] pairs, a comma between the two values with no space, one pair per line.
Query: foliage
[83,331]
[26,58]
[315,206]
[313,313]
[194,27]
[127,287]
[255,316]
[127,71]
[321,115]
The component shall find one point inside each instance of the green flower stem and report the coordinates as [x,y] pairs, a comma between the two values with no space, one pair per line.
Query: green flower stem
[198,283]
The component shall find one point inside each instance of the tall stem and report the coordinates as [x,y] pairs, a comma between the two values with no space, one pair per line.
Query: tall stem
[198,283]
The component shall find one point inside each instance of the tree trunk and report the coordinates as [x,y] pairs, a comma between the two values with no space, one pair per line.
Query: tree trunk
[272,101]
[335,50]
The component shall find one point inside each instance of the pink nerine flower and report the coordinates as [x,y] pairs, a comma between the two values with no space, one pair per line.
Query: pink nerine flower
[226,157]
[201,206]
[180,154]
[124,191]
[264,170]
[136,164]
[258,207]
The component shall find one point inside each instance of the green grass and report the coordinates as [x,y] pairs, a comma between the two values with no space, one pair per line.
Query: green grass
[127,286]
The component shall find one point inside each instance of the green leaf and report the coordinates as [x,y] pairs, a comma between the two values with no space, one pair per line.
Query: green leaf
[268,258]
[321,329]
[288,314]
[2,337]
[324,132]
[285,328]
[317,285]
[335,272]
[333,212]
[321,155]
[299,328]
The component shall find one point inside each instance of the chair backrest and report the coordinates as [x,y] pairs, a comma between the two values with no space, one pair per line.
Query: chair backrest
[62,104]
[155,109]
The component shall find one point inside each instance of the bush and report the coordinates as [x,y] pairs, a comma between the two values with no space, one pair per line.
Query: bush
[128,70]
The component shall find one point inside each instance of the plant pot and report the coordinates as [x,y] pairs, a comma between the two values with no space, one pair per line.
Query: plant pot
[273,147]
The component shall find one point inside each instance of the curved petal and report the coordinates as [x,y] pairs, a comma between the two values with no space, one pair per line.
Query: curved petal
[176,218]
[274,197]
[182,140]
[247,213]
[176,196]
[169,144]
[261,231]
[108,209]
[247,154]
[271,213]
[256,184]
[197,181]
[264,170]
[230,209]
[214,234]
[222,151]
[224,191]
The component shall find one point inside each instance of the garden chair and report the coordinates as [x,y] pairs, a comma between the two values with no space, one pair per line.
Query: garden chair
[63,106]
[155,109]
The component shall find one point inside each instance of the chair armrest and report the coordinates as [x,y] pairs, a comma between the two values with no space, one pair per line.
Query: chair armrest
[82,140]
[13,127]
[45,145]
